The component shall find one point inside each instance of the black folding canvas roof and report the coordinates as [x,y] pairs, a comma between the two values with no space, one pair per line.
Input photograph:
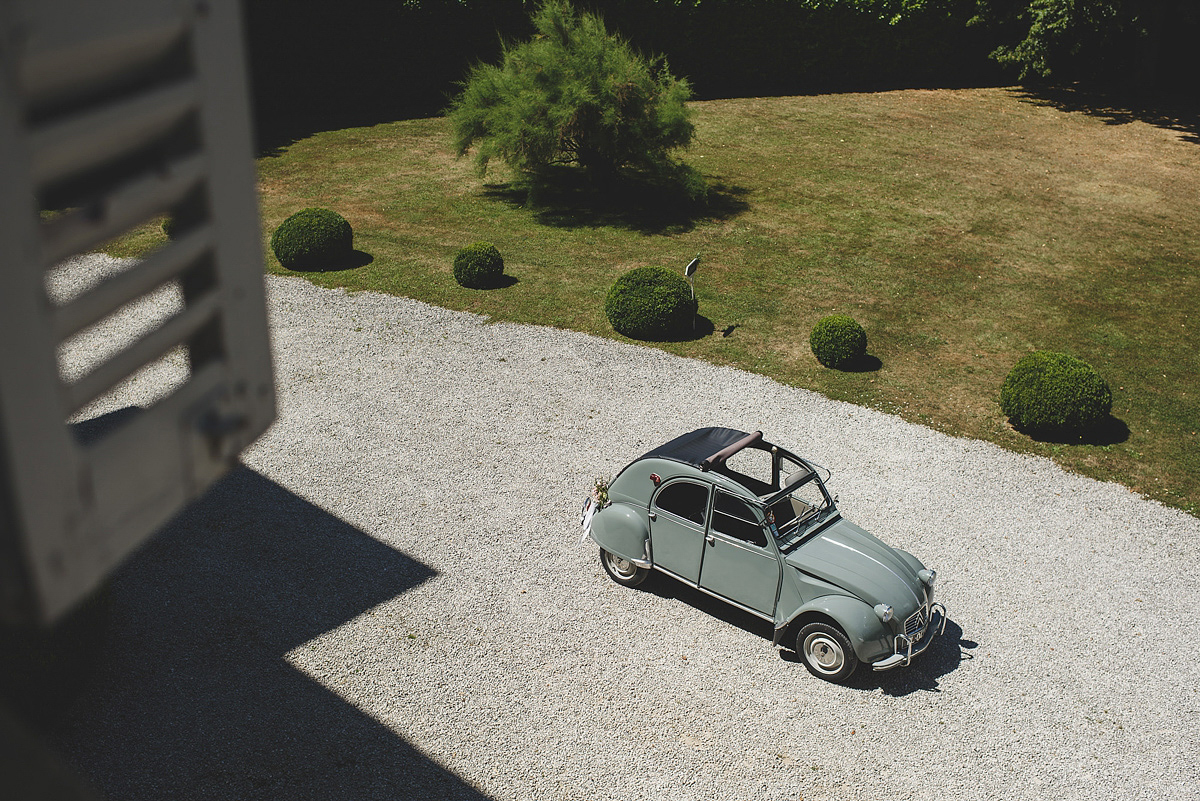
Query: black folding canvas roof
[698,447]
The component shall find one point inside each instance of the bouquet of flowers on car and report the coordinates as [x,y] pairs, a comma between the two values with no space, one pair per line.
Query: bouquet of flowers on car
[596,500]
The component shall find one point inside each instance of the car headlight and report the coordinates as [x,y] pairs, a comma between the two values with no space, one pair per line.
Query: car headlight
[884,612]
[927,577]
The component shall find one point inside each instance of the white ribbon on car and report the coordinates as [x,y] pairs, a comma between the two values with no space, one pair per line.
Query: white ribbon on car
[590,507]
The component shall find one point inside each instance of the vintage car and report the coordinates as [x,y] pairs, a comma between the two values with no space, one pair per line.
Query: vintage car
[754,525]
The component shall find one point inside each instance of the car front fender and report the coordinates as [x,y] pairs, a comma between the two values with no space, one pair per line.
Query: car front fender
[912,561]
[868,635]
[623,530]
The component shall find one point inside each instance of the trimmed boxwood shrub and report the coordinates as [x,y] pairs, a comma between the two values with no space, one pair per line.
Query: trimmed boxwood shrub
[1048,392]
[313,239]
[650,303]
[838,340]
[478,266]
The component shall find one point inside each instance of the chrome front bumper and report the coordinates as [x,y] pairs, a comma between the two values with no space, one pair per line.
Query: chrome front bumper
[908,646]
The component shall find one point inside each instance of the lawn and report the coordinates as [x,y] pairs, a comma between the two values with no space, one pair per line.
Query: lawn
[961,228]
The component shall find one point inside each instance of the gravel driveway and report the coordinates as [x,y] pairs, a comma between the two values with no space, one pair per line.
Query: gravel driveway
[390,599]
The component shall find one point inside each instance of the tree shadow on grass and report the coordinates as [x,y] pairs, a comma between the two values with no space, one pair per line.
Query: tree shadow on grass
[568,200]
[1116,109]
[1109,431]
[356,259]
[503,282]
[188,690]
[863,364]
[702,327]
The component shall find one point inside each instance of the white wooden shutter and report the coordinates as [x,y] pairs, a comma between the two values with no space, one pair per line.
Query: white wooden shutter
[114,112]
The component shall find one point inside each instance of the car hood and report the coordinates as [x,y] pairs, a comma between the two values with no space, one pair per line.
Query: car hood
[843,554]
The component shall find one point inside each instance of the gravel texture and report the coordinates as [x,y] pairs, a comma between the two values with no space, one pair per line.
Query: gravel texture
[390,600]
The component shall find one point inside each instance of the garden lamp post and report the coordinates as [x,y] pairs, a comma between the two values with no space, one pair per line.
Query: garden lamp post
[690,272]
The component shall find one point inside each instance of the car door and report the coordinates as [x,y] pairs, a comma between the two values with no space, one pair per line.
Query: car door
[678,516]
[739,562]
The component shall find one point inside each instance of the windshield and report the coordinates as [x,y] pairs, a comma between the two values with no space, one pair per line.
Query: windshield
[807,501]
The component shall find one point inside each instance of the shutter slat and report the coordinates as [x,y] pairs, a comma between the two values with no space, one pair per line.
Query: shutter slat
[114,292]
[142,352]
[100,135]
[77,64]
[83,229]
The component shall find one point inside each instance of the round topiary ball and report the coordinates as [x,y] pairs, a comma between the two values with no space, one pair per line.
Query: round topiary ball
[1048,392]
[313,239]
[838,340]
[650,303]
[478,266]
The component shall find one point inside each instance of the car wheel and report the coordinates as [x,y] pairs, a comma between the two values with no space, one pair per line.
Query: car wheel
[826,652]
[622,570]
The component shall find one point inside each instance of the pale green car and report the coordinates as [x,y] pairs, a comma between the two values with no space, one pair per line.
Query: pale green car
[754,525]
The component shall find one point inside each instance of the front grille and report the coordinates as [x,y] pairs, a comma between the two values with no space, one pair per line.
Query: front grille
[916,622]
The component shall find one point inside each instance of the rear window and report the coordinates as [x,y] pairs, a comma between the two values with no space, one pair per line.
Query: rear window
[684,499]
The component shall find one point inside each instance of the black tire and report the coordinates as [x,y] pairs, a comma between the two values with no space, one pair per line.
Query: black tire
[826,652]
[621,570]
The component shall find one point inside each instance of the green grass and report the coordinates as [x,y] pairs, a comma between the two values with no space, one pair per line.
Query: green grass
[962,229]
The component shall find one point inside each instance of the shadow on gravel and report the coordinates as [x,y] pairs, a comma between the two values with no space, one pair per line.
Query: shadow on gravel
[185,690]
[945,655]
[668,588]
[947,652]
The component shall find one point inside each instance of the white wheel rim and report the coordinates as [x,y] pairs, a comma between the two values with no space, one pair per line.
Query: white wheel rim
[622,567]
[824,653]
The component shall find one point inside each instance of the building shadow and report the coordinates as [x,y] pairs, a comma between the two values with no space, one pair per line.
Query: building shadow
[183,690]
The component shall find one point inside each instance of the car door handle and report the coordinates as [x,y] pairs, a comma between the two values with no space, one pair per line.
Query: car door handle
[653,517]
[710,539]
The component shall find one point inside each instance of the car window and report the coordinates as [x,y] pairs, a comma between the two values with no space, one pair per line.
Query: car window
[803,503]
[685,499]
[735,518]
[807,499]
[790,469]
